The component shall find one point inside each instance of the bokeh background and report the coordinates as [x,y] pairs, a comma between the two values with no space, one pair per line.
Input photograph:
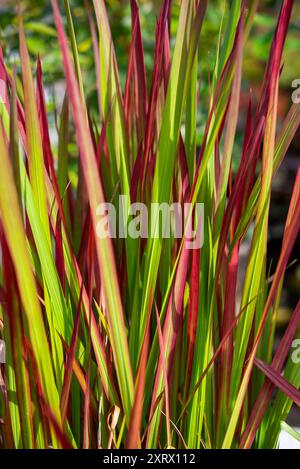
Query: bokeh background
[42,40]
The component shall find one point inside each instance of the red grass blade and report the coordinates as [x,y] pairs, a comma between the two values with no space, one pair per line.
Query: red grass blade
[134,431]
[275,377]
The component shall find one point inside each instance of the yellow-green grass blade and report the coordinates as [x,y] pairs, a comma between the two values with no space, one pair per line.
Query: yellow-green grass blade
[111,100]
[15,322]
[104,248]
[74,47]
[16,240]
[284,138]
[58,314]
[11,389]
[74,279]
[33,135]
[183,59]
[115,129]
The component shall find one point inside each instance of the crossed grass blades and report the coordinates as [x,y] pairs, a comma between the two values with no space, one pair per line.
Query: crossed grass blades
[137,343]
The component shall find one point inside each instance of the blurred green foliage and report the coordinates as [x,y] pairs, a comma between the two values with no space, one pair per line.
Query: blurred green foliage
[41,35]
[42,39]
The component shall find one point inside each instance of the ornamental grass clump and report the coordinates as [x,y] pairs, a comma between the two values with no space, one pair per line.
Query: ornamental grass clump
[143,342]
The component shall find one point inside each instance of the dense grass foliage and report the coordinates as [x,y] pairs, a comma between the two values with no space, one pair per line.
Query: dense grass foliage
[135,342]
